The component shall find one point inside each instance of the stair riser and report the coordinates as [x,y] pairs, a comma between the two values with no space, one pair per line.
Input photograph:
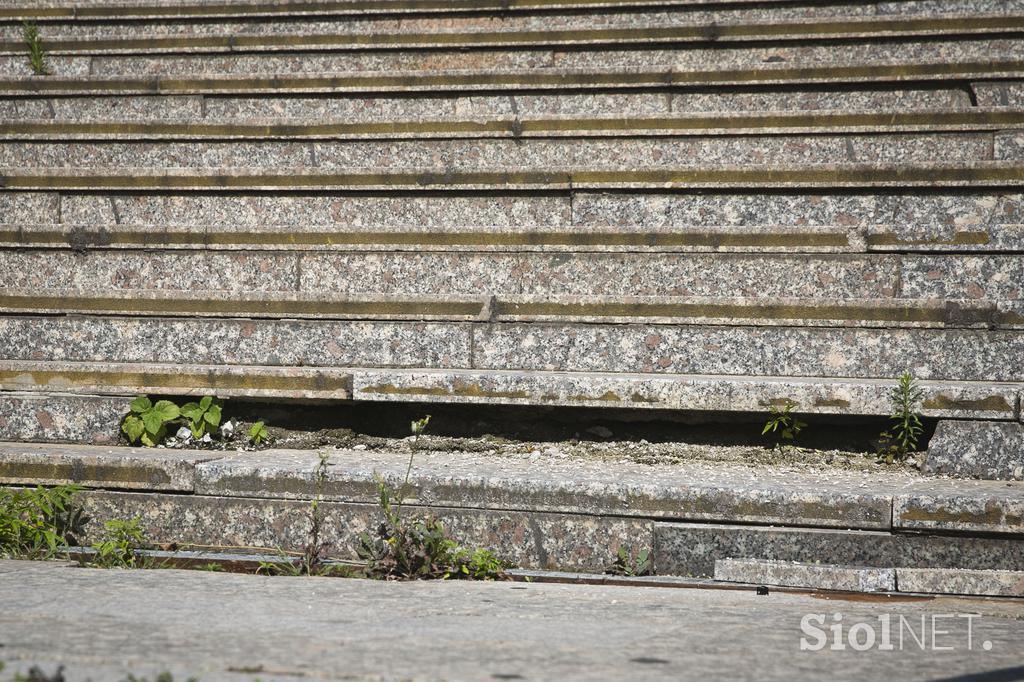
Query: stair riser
[881,15]
[644,392]
[553,155]
[380,108]
[692,549]
[93,9]
[906,215]
[573,128]
[567,541]
[740,58]
[964,355]
[821,177]
[469,275]
[666,30]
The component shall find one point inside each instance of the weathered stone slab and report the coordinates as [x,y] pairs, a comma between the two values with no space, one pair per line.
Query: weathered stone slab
[691,549]
[644,350]
[121,468]
[529,540]
[999,94]
[948,277]
[522,484]
[773,23]
[300,213]
[296,343]
[961,581]
[62,418]
[131,379]
[306,178]
[945,509]
[521,155]
[517,71]
[812,576]
[783,59]
[457,237]
[676,391]
[933,354]
[439,12]
[592,274]
[967,449]
[521,128]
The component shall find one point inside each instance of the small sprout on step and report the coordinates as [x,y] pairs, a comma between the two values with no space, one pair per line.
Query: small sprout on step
[782,421]
[258,434]
[36,56]
[148,422]
[201,416]
[419,426]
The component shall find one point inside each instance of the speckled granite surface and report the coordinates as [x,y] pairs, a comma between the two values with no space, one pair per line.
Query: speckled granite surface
[969,449]
[692,548]
[824,576]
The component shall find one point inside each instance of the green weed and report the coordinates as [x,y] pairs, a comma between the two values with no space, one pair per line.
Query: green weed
[902,437]
[148,422]
[626,565]
[117,547]
[783,422]
[202,415]
[258,434]
[38,523]
[36,55]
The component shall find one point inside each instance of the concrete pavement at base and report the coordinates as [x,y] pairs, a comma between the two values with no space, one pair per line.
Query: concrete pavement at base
[106,624]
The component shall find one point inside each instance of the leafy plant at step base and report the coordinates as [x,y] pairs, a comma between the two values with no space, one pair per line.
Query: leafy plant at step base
[902,437]
[783,422]
[148,422]
[626,565]
[117,547]
[421,549]
[258,434]
[202,415]
[36,55]
[314,556]
[38,523]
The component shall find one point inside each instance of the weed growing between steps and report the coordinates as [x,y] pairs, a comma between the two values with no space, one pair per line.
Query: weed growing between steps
[902,437]
[400,548]
[36,55]
[38,523]
[626,564]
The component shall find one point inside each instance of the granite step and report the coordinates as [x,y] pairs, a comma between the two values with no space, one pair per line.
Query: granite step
[693,549]
[486,238]
[980,174]
[554,31]
[767,124]
[496,69]
[418,350]
[693,392]
[538,512]
[556,307]
[927,220]
[551,156]
[106,10]
[903,238]
[768,278]
[176,379]
[666,15]
[385,109]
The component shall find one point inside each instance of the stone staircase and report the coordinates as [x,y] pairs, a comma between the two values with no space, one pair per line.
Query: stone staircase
[685,205]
